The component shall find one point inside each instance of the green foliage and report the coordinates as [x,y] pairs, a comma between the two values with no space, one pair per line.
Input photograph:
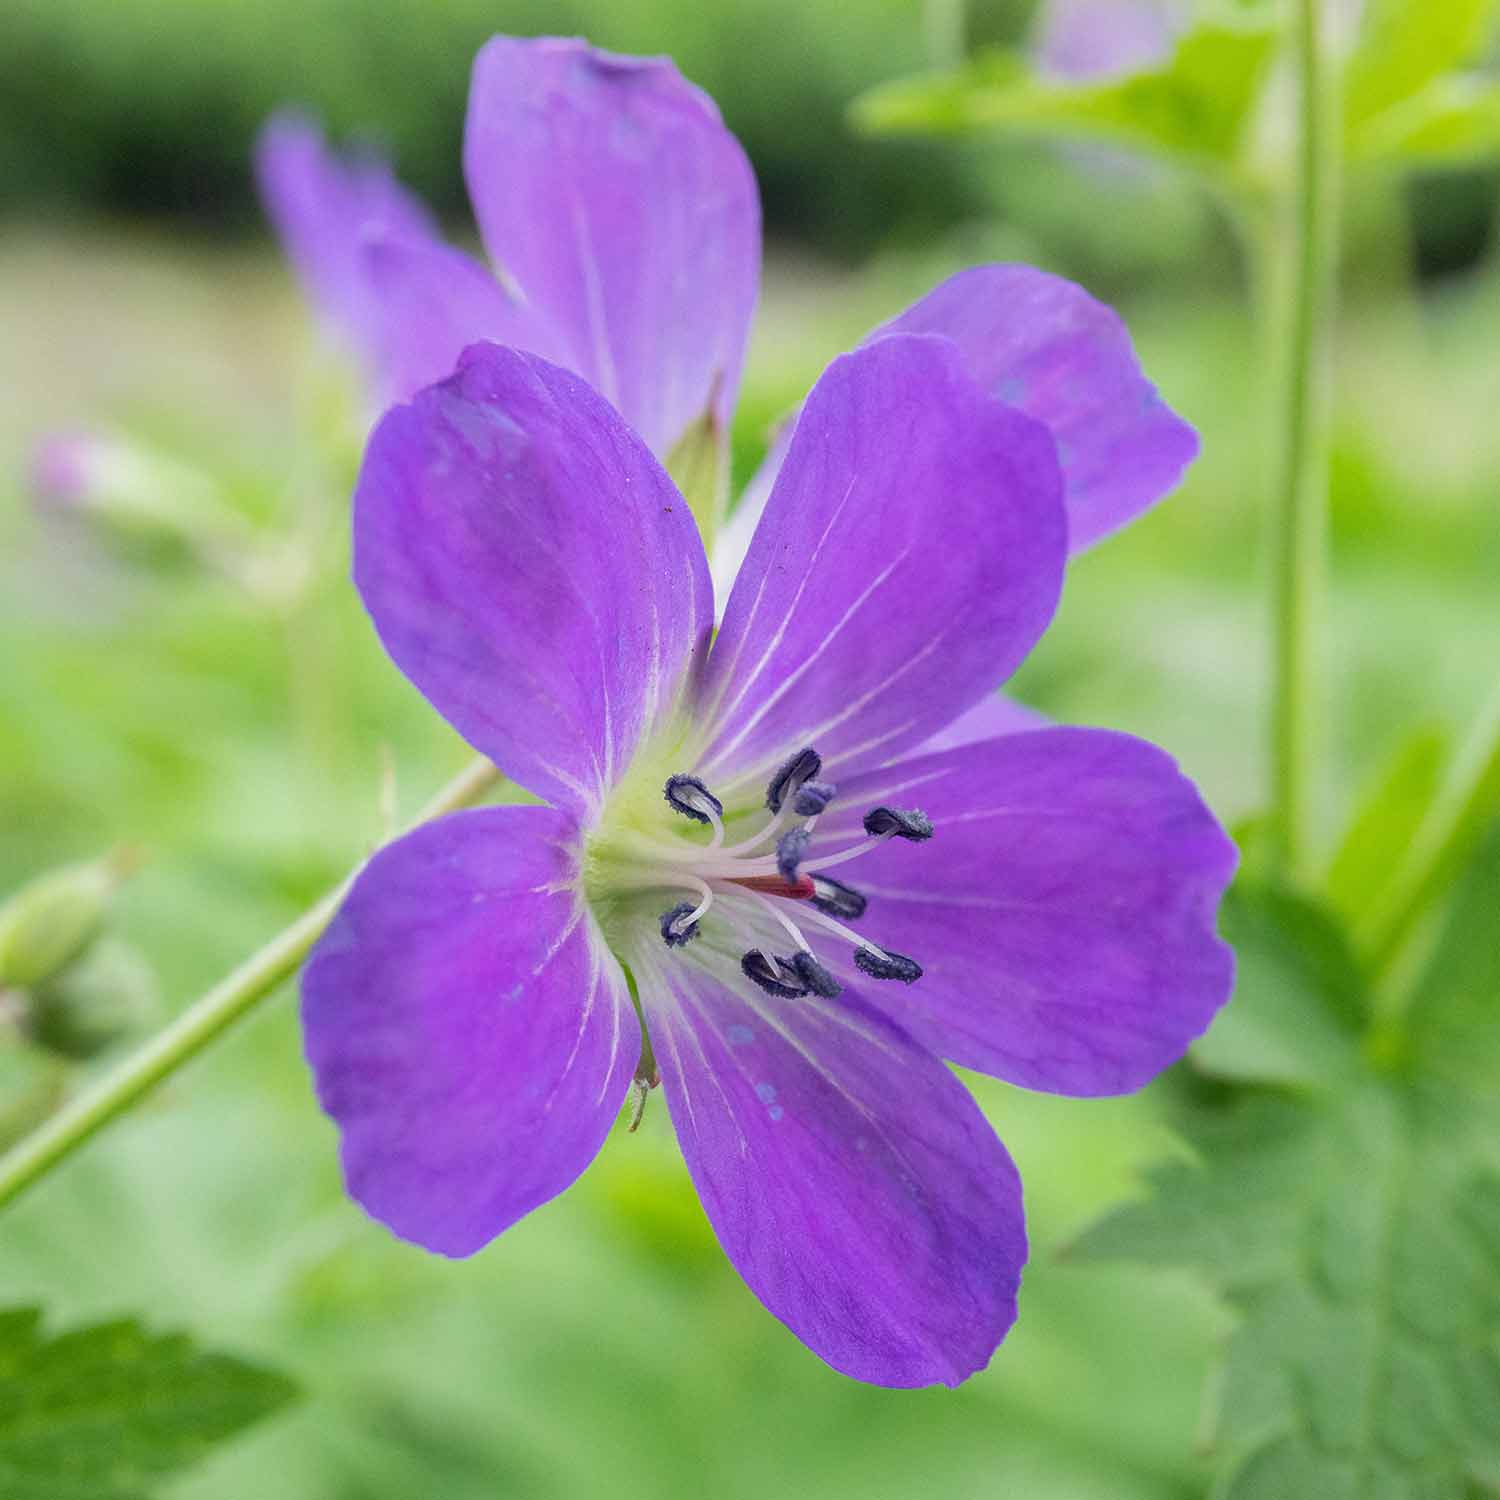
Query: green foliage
[1358,1239]
[1297,997]
[1194,108]
[100,1412]
[1404,45]
[1353,1227]
[1455,122]
[1385,822]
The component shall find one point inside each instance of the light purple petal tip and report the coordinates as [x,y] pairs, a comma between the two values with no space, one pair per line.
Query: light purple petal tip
[613,200]
[468,1030]
[1063,911]
[531,569]
[849,1177]
[324,207]
[1087,40]
[1045,346]
[62,469]
[909,557]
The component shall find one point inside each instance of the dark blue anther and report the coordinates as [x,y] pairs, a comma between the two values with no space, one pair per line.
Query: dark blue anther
[791,849]
[814,976]
[887,965]
[812,797]
[837,899]
[688,795]
[673,933]
[776,976]
[803,766]
[912,825]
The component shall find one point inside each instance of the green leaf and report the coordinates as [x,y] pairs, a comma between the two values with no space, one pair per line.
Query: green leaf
[1358,1238]
[1454,122]
[1454,1020]
[1387,818]
[1194,107]
[1298,994]
[1404,45]
[100,1412]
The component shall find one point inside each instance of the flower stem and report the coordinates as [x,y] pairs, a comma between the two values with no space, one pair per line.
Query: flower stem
[207,1018]
[1301,475]
[1448,833]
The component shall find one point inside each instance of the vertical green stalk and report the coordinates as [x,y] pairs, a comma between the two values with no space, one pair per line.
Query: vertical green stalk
[1301,472]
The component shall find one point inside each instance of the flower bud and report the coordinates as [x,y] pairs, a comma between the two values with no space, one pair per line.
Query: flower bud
[109,995]
[48,923]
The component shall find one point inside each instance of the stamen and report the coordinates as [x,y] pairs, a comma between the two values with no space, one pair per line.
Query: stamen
[679,926]
[885,821]
[828,861]
[774,975]
[802,767]
[688,796]
[815,976]
[812,797]
[790,848]
[837,899]
[880,965]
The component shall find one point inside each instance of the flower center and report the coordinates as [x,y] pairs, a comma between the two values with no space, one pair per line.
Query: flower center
[749,885]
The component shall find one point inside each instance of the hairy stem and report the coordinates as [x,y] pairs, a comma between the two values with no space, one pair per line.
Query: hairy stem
[1301,474]
[207,1018]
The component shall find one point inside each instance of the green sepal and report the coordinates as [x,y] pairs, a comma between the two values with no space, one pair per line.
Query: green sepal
[699,466]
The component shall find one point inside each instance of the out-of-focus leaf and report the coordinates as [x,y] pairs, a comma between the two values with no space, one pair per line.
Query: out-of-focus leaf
[1455,1015]
[1358,1237]
[1454,122]
[1385,821]
[1404,45]
[1194,108]
[1298,995]
[100,1412]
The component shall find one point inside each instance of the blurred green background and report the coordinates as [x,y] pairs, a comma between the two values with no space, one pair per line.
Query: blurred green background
[240,735]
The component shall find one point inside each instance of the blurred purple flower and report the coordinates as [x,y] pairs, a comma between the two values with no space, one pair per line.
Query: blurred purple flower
[731,823]
[1085,40]
[622,221]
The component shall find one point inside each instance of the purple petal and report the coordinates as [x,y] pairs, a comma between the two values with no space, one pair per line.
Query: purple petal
[1063,910]
[323,208]
[848,1175]
[1044,345]
[910,555]
[1084,40]
[531,569]
[429,302]
[609,193]
[467,1028]
[994,715]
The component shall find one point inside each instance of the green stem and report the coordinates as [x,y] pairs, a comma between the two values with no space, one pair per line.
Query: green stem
[1301,477]
[207,1018]
[1447,834]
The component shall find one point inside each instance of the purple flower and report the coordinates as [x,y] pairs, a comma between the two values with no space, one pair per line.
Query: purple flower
[751,871]
[1086,40]
[622,221]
